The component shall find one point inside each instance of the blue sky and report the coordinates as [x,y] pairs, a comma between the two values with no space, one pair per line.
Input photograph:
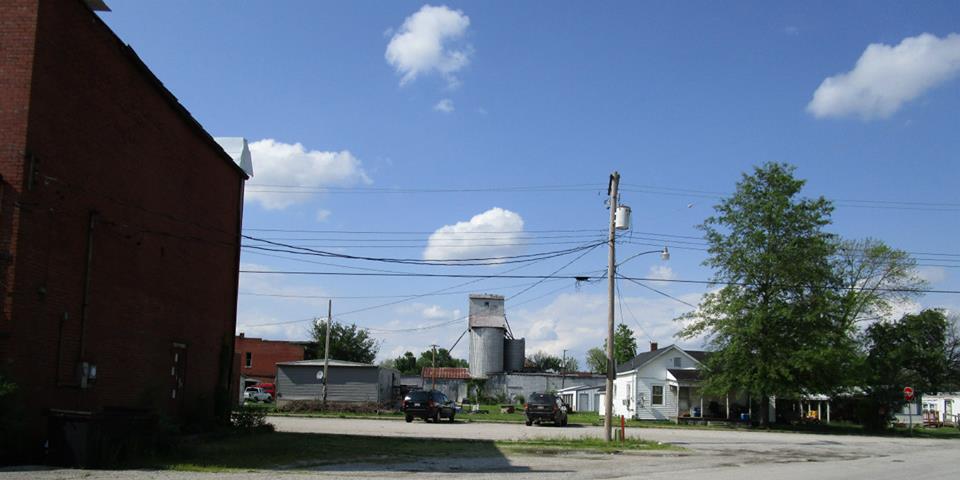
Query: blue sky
[680,97]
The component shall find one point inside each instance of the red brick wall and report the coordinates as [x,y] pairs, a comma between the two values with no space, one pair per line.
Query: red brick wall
[265,355]
[17,30]
[164,203]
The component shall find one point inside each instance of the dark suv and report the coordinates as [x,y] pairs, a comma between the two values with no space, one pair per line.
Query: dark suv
[545,407]
[428,405]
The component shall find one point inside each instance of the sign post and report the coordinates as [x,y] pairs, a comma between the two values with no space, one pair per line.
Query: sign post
[908,396]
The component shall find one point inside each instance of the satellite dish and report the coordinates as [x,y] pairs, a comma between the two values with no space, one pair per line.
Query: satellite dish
[320,375]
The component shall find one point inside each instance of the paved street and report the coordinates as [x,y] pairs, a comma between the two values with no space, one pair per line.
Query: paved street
[710,454]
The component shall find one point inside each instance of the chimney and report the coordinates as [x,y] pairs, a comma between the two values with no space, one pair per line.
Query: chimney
[653,346]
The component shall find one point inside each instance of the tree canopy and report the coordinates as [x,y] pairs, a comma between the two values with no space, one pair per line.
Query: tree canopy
[347,342]
[409,364]
[908,352]
[624,349]
[771,324]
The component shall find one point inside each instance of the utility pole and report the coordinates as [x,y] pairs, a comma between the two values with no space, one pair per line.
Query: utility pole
[613,191]
[326,351]
[563,369]
[434,371]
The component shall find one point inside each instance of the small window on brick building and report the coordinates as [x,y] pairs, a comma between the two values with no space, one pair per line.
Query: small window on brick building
[249,359]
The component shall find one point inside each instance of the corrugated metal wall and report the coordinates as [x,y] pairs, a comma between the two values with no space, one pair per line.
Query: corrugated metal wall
[345,384]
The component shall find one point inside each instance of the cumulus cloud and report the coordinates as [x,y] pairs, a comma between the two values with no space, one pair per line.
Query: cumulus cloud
[577,322]
[424,44]
[494,233]
[662,272]
[932,274]
[288,164]
[885,77]
[445,106]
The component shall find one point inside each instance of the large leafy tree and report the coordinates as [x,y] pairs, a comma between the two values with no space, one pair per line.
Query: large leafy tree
[443,359]
[624,349]
[347,342]
[624,345]
[909,352]
[406,364]
[772,325]
[952,353]
[875,278]
[597,360]
[544,362]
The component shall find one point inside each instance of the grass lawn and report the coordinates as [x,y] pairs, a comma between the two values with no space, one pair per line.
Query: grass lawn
[493,415]
[282,450]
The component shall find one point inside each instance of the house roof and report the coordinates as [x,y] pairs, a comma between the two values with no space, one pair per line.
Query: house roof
[646,357]
[450,373]
[319,363]
[577,388]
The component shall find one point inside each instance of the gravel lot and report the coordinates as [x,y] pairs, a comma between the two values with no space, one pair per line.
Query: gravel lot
[710,454]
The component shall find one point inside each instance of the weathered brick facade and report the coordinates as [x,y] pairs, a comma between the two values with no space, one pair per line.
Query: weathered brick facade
[263,356]
[119,220]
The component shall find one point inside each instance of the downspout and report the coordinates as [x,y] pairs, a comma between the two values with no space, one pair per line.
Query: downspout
[87,271]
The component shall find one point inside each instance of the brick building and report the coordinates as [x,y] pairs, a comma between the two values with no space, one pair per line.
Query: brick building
[119,220]
[257,358]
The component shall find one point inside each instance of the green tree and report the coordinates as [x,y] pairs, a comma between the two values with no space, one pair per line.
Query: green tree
[952,353]
[544,362]
[874,279]
[909,352]
[597,360]
[624,345]
[406,364]
[571,365]
[773,325]
[347,342]
[444,359]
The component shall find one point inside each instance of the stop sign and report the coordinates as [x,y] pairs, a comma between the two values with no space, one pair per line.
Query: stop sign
[908,393]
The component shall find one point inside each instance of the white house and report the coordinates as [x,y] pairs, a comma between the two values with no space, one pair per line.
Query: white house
[945,405]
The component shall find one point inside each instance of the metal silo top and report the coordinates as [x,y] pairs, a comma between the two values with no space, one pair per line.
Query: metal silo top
[486,310]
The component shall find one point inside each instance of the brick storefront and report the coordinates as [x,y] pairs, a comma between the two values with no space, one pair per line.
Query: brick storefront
[119,217]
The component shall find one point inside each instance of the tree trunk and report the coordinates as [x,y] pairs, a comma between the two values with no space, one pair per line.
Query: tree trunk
[764,410]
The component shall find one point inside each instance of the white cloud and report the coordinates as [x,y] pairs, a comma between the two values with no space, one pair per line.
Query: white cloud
[445,106]
[662,272]
[885,77]
[932,275]
[323,215]
[279,163]
[577,322]
[422,45]
[494,233]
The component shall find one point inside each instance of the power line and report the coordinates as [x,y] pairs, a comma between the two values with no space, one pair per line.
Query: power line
[571,277]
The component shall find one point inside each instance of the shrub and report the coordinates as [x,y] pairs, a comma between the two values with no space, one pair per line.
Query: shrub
[250,419]
[520,399]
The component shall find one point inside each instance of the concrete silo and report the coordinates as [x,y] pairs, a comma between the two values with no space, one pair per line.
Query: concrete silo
[487,334]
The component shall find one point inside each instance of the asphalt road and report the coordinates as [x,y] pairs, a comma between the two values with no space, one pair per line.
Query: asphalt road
[709,454]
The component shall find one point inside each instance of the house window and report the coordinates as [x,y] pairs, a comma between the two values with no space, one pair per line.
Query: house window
[676,362]
[656,395]
[249,359]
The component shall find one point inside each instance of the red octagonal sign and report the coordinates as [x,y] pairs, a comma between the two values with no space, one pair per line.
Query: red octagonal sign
[908,393]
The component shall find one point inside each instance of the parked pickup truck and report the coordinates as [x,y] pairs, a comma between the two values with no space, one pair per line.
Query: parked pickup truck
[256,394]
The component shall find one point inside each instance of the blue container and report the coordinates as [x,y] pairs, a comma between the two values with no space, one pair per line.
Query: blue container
[744,417]
[696,412]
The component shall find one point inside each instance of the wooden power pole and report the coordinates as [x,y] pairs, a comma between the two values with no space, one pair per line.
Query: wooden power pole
[611,274]
[326,351]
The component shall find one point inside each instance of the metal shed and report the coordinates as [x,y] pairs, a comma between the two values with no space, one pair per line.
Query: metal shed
[347,382]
